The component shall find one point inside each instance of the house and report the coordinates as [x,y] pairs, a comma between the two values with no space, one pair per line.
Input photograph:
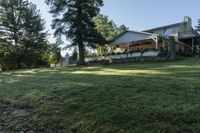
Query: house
[158,39]
[183,32]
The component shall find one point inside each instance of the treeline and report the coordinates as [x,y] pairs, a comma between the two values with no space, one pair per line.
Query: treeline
[23,41]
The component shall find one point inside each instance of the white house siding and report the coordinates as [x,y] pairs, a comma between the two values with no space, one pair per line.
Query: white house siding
[130,37]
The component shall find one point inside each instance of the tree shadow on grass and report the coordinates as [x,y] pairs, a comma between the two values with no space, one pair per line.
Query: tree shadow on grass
[118,100]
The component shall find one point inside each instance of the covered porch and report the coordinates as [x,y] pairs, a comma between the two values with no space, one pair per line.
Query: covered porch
[156,44]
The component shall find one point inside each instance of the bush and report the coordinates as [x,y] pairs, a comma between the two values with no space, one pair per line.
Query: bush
[54,56]
[19,57]
[9,56]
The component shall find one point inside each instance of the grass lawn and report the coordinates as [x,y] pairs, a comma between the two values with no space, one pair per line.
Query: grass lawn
[125,98]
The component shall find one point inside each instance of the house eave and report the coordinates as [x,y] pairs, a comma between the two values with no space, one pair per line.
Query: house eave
[164,27]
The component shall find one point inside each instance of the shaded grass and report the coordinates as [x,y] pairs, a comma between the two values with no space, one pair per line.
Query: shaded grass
[129,97]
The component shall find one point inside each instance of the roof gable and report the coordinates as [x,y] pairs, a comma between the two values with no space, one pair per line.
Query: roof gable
[130,36]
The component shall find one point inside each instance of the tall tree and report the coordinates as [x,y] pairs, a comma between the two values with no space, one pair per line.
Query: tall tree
[10,19]
[33,28]
[77,22]
[21,25]
[108,28]
[105,27]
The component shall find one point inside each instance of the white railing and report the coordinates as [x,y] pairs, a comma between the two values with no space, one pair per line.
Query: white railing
[123,56]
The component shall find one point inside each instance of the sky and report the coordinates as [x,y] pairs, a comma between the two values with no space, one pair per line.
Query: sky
[138,14]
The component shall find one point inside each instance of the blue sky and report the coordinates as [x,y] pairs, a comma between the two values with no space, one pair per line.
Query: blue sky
[145,14]
[139,14]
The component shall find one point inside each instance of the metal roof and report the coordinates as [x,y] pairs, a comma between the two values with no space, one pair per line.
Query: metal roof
[165,27]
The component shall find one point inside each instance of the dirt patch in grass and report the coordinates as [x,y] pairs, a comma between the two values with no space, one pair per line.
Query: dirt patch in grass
[17,111]
[11,116]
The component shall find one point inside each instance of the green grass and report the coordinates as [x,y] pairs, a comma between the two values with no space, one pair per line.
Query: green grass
[161,97]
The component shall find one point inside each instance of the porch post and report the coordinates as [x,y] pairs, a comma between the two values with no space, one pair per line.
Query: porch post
[128,47]
[157,42]
[192,45]
[128,50]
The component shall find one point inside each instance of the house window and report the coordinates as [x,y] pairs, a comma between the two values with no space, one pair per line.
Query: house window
[168,32]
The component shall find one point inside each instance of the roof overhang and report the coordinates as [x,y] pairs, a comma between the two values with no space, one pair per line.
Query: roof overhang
[131,36]
[165,27]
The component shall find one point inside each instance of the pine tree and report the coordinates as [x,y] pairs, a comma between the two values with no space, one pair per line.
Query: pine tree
[77,22]
[108,28]
[33,32]
[21,26]
[11,19]
[21,23]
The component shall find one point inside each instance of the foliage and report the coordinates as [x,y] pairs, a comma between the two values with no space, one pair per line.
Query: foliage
[120,98]
[74,57]
[8,56]
[11,21]
[102,50]
[121,29]
[108,30]
[54,55]
[74,20]
[23,40]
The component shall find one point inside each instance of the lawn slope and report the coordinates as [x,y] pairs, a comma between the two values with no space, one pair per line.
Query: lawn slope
[130,97]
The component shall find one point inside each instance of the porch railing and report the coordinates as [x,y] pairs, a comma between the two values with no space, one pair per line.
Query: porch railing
[124,56]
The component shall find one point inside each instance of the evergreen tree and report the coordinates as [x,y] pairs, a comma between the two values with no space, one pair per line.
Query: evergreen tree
[33,34]
[11,12]
[105,27]
[121,29]
[21,26]
[77,22]
[108,28]
[54,54]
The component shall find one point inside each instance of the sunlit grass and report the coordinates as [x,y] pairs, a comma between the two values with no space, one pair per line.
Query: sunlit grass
[120,72]
[130,97]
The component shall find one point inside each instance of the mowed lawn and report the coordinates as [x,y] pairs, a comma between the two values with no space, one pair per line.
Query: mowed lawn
[159,97]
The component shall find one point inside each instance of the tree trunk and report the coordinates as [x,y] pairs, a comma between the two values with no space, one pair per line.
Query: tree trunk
[81,54]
